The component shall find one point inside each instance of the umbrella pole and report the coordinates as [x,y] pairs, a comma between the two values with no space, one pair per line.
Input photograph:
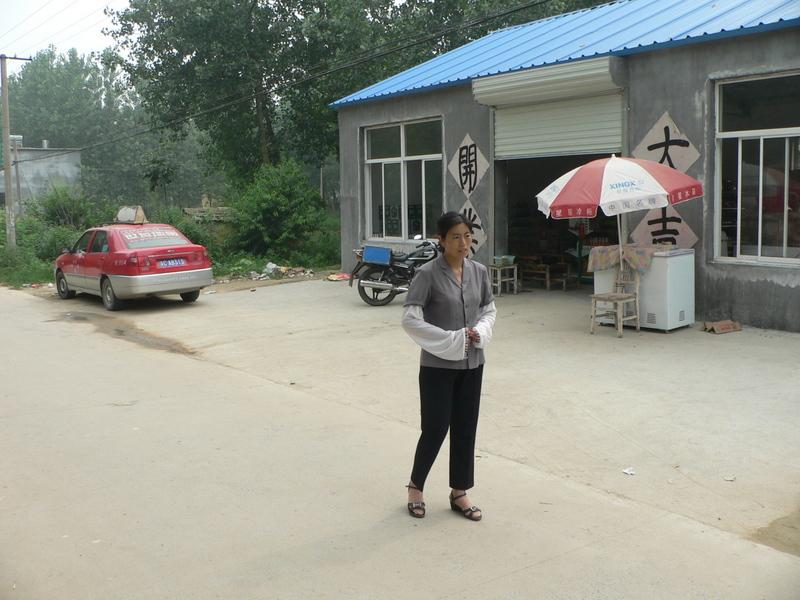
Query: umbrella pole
[619,239]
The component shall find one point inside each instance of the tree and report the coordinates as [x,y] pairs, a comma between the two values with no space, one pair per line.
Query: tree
[56,98]
[259,74]
[87,102]
[194,56]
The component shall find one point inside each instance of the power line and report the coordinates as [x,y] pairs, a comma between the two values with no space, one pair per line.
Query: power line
[50,18]
[99,7]
[66,39]
[365,57]
[26,18]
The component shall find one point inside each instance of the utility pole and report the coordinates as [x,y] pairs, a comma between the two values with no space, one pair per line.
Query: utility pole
[11,228]
[17,140]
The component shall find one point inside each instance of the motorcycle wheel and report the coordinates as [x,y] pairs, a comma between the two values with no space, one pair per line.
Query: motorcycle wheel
[373,296]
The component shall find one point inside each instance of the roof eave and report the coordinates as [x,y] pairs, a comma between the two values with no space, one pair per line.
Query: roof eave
[707,37]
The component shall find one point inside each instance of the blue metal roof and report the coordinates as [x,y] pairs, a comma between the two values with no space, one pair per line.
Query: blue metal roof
[618,28]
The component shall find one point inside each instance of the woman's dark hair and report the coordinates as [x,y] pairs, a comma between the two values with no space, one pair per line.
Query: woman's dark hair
[449,220]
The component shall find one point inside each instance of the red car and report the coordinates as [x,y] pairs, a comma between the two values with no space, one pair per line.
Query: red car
[117,262]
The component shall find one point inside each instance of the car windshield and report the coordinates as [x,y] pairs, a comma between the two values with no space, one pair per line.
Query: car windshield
[149,237]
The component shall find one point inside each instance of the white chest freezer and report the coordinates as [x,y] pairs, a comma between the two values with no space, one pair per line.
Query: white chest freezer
[666,290]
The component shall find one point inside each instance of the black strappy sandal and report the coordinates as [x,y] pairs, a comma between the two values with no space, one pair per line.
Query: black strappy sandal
[412,506]
[469,513]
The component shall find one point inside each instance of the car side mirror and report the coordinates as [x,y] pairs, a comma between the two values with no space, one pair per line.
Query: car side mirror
[65,251]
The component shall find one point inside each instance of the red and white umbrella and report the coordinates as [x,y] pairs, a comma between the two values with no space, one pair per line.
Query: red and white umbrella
[617,185]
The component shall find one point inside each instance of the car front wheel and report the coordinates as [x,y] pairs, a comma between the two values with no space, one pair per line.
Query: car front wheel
[110,300]
[190,296]
[63,288]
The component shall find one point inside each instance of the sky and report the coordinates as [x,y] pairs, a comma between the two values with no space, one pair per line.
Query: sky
[29,26]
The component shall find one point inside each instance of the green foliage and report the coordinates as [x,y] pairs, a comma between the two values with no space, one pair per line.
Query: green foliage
[197,232]
[20,266]
[79,102]
[322,249]
[60,206]
[31,261]
[57,97]
[237,265]
[189,56]
[45,241]
[275,214]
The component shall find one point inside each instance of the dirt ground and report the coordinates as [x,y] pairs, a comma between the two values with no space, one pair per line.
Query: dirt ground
[46,290]
[781,534]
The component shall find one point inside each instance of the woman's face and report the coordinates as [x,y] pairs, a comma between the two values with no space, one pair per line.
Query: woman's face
[457,242]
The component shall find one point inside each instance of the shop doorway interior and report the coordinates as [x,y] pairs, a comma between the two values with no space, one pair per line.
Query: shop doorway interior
[531,234]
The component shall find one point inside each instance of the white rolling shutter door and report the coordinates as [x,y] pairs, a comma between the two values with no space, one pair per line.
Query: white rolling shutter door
[566,127]
[565,109]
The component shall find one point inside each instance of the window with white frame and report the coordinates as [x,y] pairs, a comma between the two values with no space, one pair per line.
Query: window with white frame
[758,141]
[404,179]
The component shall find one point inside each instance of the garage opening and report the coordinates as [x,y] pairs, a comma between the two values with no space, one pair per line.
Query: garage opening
[562,244]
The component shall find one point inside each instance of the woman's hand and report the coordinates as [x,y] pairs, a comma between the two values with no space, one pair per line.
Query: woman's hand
[474,336]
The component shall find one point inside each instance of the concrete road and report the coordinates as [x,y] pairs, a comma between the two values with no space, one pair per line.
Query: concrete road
[255,445]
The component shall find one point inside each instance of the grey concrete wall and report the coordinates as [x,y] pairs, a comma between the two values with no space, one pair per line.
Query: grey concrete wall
[681,81]
[460,115]
[42,168]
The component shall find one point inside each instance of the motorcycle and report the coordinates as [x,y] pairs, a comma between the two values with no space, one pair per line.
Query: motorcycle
[385,273]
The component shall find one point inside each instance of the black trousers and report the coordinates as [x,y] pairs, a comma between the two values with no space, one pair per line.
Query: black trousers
[449,399]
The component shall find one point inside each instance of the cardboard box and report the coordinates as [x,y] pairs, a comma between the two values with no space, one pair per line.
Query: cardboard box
[721,326]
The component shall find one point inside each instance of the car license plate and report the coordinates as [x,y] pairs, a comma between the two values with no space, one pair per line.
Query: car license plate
[172,262]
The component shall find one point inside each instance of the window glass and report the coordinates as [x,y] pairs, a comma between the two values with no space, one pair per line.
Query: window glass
[376,189]
[415,197]
[404,191]
[83,242]
[730,198]
[761,104]
[423,138]
[760,169]
[749,169]
[383,142]
[773,199]
[392,202]
[151,237]
[433,196]
[793,198]
[100,242]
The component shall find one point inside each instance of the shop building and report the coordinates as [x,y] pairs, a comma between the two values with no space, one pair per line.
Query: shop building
[711,88]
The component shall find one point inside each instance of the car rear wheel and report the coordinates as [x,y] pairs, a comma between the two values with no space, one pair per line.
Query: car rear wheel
[110,300]
[63,288]
[190,296]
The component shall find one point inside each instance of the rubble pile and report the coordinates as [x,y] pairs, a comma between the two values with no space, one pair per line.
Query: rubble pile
[273,269]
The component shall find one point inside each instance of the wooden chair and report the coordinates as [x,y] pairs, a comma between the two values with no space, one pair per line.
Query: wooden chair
[533,268]
[561,272]
[624,295]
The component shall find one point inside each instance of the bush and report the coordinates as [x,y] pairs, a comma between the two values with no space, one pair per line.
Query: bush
[275,214]
[197,232]
[45,241]
[20,266]
[60,206]
[237,265]
[323,247]
[38,244]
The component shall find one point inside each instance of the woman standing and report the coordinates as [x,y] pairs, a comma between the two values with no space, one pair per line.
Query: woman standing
[449,311]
